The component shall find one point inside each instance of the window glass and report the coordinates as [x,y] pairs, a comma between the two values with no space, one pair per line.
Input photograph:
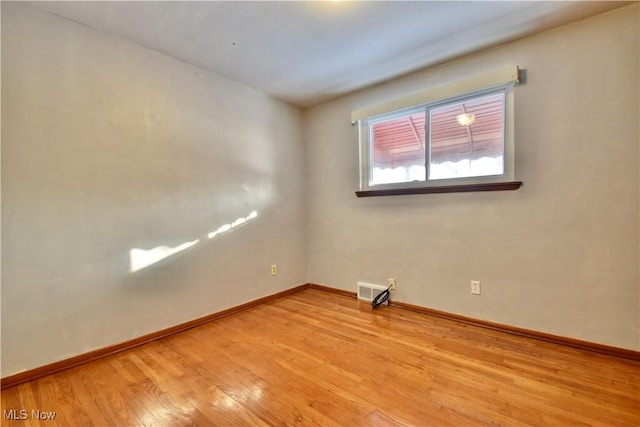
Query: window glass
[466,139]
[397,148]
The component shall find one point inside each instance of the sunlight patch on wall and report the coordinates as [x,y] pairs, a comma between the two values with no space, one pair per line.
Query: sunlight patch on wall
[141,258]
[228,227]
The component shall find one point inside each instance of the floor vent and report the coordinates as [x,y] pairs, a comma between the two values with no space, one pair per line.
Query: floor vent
[368,291]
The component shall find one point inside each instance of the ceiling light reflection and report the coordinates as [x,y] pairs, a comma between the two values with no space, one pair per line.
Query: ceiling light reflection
[466,119]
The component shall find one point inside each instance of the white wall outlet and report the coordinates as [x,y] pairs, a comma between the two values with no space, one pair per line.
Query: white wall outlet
[392,284]
[274,270]
[475,287]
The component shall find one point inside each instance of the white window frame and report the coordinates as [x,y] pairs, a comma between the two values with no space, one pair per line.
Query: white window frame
[502,80]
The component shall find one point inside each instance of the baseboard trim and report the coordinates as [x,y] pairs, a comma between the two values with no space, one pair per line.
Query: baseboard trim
[622,353]
[333,290]
[53,368]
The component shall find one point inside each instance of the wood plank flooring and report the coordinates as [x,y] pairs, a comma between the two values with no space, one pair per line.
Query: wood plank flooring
[319,359]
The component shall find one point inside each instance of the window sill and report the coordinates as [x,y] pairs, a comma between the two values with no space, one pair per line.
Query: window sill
[492,186]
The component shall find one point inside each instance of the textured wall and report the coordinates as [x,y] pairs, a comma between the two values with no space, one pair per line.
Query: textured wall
[560,255]
[109,151]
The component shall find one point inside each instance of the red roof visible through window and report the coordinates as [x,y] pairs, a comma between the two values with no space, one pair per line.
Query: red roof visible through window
[400,142]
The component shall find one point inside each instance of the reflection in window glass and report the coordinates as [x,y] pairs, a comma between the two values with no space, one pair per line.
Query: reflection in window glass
[398,148]
[467,139]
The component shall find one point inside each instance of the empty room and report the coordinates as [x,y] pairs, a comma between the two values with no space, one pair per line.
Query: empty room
[323,213]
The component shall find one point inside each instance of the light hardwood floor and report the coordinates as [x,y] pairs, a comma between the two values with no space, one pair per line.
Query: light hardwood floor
[315,358]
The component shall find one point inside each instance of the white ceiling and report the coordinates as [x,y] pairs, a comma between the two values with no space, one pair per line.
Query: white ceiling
[308,52]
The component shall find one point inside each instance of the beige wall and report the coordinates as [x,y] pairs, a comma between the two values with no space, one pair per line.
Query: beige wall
[108,147]
[560,255]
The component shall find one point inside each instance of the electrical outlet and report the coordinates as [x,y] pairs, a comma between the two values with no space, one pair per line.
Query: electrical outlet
[475,287]
[274,270]
[392,284]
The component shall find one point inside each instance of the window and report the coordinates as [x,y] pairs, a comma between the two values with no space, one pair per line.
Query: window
[460,142]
